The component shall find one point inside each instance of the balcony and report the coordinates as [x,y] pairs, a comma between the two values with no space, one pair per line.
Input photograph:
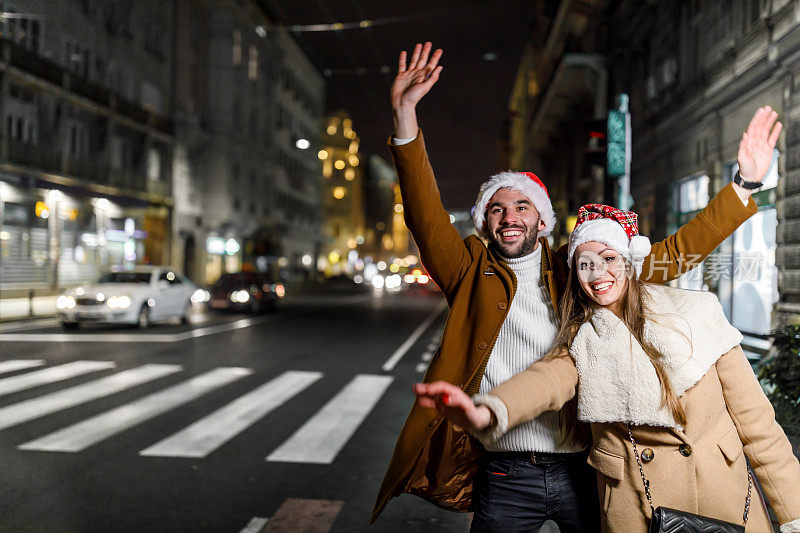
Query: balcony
[52,72]
[33,155]
[45,159]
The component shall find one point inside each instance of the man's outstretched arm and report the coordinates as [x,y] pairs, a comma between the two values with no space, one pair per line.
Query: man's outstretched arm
[441,248]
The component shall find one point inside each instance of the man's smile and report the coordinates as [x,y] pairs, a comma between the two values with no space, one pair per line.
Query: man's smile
[510,235]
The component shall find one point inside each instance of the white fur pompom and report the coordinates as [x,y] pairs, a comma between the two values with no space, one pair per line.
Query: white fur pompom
[639,246]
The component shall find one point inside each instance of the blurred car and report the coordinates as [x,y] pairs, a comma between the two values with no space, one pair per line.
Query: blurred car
[139,296]
[245,291]
[419,280]
[342,283]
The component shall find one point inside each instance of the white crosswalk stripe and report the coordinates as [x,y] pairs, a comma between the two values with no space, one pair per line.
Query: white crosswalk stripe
[51,375]
[79,394]
[19,364]
[321,438]
[318,441]
[211,432]
[84,434]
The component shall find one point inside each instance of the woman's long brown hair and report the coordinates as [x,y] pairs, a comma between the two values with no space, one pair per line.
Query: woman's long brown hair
[576,308]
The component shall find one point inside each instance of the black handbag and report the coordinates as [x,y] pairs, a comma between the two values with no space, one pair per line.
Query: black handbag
[666,520]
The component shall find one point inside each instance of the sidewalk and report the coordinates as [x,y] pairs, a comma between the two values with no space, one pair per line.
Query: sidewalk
[21,308]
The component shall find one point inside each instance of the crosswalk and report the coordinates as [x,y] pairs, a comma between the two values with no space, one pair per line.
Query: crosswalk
[319,440]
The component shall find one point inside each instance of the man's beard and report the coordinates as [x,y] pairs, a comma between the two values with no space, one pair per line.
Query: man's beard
[522,249]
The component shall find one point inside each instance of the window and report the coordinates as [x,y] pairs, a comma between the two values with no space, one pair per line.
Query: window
[252,64]
[153,165]
[76,58]
[749,290]
[153,33]
[689,196]
[151,97]
[237,48]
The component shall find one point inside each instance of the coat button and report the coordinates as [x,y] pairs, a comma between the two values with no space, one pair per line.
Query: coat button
[685,450]
[501,305]
[432,422]
[483,346]
[647,455]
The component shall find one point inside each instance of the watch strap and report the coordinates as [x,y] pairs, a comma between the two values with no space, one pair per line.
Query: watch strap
[750,185]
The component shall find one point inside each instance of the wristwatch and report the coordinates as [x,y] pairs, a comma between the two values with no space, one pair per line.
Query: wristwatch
[741,182]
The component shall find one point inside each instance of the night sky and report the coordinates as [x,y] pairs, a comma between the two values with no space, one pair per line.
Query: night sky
[465,115]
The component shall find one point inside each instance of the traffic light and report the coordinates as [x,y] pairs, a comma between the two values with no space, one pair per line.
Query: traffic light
[595,153]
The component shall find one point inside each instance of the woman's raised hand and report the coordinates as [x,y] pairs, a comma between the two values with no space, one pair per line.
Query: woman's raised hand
[454,404]
[413,81]
[757,144]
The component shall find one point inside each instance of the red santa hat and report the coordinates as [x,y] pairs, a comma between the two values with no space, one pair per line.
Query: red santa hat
[617,229]
[525,182]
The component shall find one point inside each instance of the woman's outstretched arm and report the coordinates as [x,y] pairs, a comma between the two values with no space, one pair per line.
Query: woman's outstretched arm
[544,386]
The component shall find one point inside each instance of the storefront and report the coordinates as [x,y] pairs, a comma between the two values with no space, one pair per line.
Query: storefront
[223,255]
[742,270]
[750,290]
[54,236]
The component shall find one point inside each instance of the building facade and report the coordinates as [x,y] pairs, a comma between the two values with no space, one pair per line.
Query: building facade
[247,177]
[696,72]
[342,197]
[87,140]
[559,90]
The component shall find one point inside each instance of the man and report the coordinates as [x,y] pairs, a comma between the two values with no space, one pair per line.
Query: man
[503,301]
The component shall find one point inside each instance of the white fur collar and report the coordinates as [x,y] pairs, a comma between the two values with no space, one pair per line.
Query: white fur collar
[618,383]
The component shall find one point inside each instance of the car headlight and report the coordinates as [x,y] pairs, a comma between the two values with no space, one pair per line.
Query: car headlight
[65,302]
[119,302]
[240,297]
[200,295]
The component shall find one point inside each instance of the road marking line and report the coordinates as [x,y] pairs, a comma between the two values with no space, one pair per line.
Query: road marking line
[165,337]
[401,351]
[80,436]
[214,430]
[28,324]
[19,364]
[51,375]
[427,356]
[255,525]
[44,405]
[308,516]
[321,438]
[420,368]
[86,337]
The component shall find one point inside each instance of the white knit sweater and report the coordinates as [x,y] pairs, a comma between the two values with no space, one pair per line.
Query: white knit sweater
[526,335]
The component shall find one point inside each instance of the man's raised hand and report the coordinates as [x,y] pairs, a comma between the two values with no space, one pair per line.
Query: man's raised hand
[413,81]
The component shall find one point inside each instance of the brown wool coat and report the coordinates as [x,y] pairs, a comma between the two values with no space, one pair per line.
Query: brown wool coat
[727,413]
[432,459]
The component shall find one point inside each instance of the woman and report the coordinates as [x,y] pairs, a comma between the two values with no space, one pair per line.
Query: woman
[653,368]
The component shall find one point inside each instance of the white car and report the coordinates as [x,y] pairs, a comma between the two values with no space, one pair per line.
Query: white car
[139,296]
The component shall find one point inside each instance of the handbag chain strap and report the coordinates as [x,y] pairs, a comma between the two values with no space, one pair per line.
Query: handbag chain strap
[646,482]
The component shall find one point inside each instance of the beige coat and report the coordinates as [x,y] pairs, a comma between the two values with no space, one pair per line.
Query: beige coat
[700,469]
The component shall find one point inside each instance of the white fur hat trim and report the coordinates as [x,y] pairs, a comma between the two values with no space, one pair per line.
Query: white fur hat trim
[518,182]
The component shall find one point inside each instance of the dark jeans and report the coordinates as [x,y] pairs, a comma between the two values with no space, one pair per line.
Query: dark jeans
[516,495]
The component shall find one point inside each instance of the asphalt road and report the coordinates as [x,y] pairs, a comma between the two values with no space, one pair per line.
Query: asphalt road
[233,423]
